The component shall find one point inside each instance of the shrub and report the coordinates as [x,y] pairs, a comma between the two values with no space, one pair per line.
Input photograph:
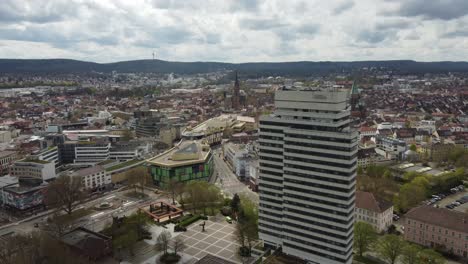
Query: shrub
[179,228]
[169,258]
[190,220]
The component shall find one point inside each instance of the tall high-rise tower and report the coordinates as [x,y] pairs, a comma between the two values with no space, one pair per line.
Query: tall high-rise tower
[308,156]
[236,94]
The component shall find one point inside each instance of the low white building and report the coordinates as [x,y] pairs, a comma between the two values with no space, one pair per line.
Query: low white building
[94,177]
[33,169]
[373,210]
[49,154]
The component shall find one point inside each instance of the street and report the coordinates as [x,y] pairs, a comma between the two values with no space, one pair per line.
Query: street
[228,181]
[95,221]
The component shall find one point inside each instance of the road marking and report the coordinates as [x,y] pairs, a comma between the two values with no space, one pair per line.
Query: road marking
[128,203]
[110,197]
[96,215]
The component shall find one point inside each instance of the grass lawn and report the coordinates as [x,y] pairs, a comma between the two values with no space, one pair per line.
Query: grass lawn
[123,164]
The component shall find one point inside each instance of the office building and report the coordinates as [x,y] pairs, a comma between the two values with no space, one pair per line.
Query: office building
[33,169]
[188,161]
[308,156]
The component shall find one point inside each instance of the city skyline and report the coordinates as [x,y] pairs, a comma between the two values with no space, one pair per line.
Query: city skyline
[235,31]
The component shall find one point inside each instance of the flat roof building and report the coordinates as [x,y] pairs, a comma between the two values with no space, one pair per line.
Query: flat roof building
[189,160]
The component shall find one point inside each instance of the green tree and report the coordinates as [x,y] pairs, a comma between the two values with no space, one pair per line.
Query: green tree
[364,237]
[429,256]
[247,223]
[390,247]
[409,196]
[413,147]
[410,253]
[126,241]
[235,203]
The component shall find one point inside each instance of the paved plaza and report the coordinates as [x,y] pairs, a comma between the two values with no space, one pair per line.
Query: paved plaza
[218,240]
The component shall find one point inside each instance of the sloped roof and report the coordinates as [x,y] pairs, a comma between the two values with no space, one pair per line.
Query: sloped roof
[450,219]
[367,200]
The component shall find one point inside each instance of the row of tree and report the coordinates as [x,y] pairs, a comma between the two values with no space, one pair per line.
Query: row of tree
[392,248]
[377,180]
[419,186]
[198,196]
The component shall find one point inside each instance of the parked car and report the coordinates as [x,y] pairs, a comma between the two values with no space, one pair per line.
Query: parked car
[395,217]
[449,206]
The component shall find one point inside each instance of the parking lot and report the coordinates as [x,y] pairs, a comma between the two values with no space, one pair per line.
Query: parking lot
[218,239]
[452,198]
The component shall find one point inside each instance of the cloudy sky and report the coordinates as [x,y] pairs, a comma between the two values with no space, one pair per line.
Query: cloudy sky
[235,30]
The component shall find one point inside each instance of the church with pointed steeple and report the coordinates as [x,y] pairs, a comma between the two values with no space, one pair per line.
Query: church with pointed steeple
[236,94]
[358,110]
[236,99]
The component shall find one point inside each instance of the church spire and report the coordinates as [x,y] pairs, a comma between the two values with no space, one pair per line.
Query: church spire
[236,94]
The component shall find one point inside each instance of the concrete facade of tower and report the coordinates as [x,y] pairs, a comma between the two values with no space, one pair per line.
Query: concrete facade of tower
[308,162]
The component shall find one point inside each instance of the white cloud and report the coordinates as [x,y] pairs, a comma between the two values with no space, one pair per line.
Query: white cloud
[234,30]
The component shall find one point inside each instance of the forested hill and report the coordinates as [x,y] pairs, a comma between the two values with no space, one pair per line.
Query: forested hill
[300,68]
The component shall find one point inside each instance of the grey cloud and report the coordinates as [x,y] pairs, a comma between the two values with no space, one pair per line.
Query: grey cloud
[45,34]
[261,23]
[169,4]
[342,7]
[432,9]
[292,32]
[393,24]
[212,38]
[166,35]
[244,5]
[35,11]
[459,33]
[375,36]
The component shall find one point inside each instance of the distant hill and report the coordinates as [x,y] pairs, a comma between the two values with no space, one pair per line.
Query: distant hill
[300,68]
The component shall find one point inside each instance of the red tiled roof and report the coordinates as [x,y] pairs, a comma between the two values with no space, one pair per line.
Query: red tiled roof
[367,200]
[450,219]
[367,129]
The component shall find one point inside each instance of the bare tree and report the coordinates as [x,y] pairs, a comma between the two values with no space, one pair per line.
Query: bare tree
[36,247]
[172,187]
[66,193]
[178,245]
[138,176]
[163,240]
[55,226]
